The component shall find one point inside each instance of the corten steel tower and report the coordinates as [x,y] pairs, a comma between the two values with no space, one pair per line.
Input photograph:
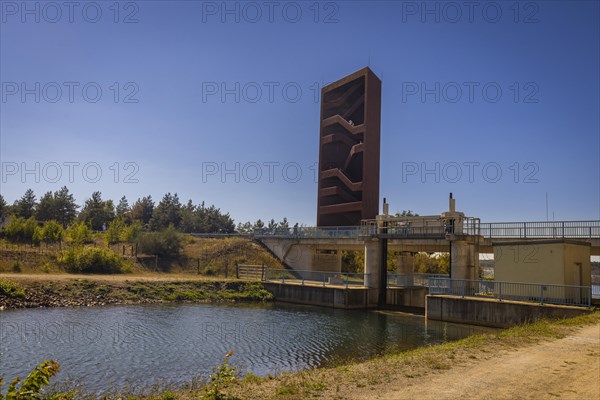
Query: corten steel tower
[349,150]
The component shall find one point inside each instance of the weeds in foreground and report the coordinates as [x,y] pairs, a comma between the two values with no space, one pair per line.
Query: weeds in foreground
[11,289]
[223,376]
[32,385]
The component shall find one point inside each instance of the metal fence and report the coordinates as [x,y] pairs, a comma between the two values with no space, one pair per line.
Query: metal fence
[421,227]
[596,291]
[323,278]
[410,280]
[431,227]
[531,292]
[542,230]
[310,232]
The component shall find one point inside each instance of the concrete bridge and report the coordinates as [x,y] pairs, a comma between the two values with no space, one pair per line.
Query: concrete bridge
[308,247]
[320,248]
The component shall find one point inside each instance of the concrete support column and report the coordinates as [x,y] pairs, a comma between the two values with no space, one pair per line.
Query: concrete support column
[464,260]
[373,268]
[406,266]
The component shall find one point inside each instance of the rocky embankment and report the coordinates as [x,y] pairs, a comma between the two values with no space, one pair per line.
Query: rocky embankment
[81,292]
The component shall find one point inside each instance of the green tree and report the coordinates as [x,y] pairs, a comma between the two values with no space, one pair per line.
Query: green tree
[3,209]
[353,261]
[52,232]
[190,221]
[25,206]
[142,210]
[114,233]
[21,230]
[166,243]
[79,233]
[46,209]
[214,221]
[167,212]
[131,232]
[406,213]
[97,212]
[65,207]
[59,206]
[436,263]
[258,225]
[123,209]
[244,228]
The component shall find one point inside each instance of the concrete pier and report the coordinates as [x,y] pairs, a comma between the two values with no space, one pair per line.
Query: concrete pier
[373,249]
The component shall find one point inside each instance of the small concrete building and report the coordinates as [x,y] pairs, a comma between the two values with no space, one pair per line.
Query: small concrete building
[551,262]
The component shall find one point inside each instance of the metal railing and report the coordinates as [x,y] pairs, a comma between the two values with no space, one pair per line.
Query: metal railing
[333,232]
[432,227]
[410,280]
[404,227]
[530,292]
[596,291]
[541,230]
[323,278]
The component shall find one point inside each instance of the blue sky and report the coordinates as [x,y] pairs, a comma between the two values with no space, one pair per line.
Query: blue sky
[500,102]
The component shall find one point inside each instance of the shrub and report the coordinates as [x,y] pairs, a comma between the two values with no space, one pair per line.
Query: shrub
[131,232]
[91,260]
[52,232]
[17,266]
[11,289]
[114,232]
[223,375]
[32,385]
[166,243]
[21,230]
[210,271]
[79,233]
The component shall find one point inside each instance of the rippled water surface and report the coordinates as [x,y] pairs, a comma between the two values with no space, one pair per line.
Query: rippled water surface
[108,347]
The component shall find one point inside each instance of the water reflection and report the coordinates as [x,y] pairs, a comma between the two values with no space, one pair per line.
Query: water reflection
[169,344]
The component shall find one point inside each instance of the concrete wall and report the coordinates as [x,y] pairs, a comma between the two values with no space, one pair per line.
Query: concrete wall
[556,262]
[574,255]
[500,314]
[407,297]
[305,256]
[351,298]
[464,263]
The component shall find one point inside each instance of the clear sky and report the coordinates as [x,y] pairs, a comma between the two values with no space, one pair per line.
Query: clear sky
[497,102]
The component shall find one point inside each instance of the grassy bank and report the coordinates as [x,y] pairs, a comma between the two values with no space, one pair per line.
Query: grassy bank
[204,256]
[95,291]
[346,381]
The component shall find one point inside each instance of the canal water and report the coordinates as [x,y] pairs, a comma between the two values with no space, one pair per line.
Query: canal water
[138,346]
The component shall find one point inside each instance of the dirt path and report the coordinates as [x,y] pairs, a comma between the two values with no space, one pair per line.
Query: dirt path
[567,368]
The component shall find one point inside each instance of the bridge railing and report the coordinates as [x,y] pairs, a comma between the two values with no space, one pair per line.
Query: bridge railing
[529,292]
[323,278]
[303,232]
[410,280]
[596,291]
[409,227]
[542,230]
[424,227]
